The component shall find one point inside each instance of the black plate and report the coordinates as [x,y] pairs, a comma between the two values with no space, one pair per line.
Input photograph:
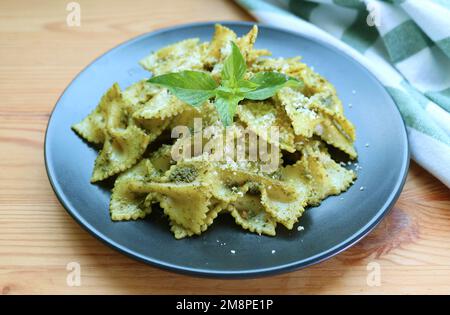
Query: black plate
[330,228]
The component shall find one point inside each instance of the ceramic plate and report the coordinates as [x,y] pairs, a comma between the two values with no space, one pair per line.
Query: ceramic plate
[336,224]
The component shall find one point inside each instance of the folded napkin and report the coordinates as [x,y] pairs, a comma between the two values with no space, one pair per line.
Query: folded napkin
[404,43]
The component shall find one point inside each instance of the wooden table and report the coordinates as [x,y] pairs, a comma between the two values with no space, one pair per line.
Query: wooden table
[40,55]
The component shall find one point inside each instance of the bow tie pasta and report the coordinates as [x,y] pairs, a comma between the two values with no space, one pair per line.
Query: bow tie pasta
[134,128]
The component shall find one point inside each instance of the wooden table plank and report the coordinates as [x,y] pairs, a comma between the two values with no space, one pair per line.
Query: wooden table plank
[39,56]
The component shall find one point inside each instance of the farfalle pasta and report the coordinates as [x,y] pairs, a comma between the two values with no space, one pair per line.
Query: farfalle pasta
[135,126]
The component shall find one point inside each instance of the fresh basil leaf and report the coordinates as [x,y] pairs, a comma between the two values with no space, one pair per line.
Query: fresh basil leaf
[192,87]
[234,67]
[225,89]
[268,84]
[226,105]
[245,86]
[241,87]
[195,87]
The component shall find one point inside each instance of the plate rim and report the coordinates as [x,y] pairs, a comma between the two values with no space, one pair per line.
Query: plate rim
[232,274]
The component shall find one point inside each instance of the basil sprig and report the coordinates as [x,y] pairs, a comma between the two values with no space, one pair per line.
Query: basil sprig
[195,87]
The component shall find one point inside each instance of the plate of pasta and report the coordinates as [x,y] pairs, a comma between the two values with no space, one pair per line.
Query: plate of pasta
[226,149]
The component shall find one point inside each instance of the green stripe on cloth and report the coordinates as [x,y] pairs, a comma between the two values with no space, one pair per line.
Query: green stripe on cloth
[444,45]
[405,40]
[442,98]
[394,1]
[415,116]
[360,35]
[302,9]
[355,4]
[421,99]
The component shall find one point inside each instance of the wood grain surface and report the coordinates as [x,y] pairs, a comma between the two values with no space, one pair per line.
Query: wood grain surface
[40,55]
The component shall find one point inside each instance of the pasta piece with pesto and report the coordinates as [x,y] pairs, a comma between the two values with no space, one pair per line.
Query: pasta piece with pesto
[250,214]
[161,159]
[126,204]
[122,149]
[261,116]
[303,119]
[162,106]
[326,176]
[140,93]
[172,199]
[214,209]
[184,55]
[93,127]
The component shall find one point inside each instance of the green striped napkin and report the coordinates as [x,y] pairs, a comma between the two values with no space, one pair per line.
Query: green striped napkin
[405,43]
